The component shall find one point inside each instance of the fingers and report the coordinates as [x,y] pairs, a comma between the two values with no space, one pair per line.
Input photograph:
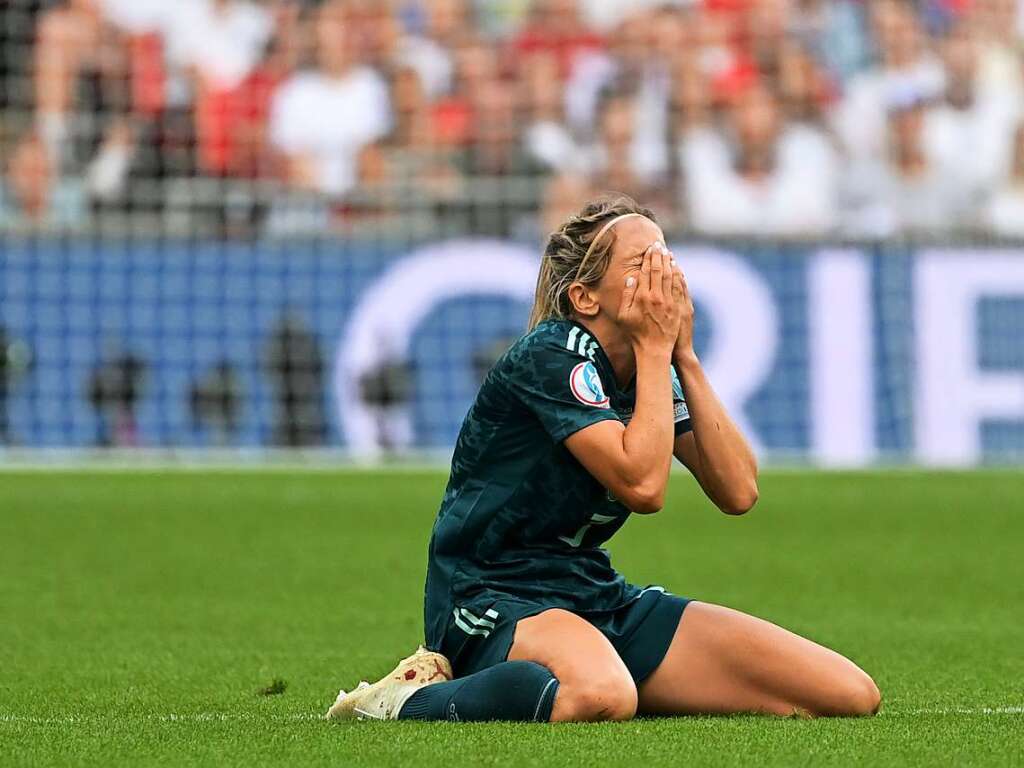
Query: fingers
[668,274]
[629,293]
[657,270]
[674,278]
[678,284]
[645,269]
[637,283]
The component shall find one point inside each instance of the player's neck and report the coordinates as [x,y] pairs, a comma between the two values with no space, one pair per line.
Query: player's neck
[616,346]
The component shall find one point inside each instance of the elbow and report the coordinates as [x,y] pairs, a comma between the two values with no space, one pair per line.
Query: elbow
[646,499]
[740,500]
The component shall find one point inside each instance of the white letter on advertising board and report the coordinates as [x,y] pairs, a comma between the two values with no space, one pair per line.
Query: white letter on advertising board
[839,322]
[953,395]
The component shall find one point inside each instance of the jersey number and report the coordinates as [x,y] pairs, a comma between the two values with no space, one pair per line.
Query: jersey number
[595,519]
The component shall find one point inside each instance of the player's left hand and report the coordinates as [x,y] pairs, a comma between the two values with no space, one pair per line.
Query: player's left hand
[681,295]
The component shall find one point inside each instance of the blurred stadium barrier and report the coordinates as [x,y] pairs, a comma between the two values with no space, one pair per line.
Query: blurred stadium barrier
[845,356]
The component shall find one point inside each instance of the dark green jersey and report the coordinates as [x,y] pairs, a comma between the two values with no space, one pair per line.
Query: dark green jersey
[521,518]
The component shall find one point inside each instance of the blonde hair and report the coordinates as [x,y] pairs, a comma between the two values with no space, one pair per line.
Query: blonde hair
[579,252]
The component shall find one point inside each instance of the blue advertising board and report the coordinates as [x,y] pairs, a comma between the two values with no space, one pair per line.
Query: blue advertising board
[839,355]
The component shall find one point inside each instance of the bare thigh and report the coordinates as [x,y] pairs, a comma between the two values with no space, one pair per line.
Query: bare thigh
[594,683]
[723,661]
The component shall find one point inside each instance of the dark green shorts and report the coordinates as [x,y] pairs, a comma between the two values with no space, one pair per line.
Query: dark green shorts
[641,632]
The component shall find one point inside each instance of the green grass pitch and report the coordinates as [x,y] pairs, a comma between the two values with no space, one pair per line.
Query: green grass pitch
[141,615]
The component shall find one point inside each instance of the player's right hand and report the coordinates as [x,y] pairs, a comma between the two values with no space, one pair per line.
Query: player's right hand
[650,313]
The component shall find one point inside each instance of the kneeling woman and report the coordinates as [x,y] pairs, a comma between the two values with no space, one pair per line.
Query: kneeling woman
[573,429]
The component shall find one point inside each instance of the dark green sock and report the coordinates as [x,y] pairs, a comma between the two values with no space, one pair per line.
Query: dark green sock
[512,690]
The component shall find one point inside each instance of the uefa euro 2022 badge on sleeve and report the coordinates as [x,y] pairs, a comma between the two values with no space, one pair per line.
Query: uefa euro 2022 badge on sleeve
[586,385]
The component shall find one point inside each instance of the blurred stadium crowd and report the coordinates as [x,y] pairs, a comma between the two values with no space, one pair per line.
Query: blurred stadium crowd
[773,118]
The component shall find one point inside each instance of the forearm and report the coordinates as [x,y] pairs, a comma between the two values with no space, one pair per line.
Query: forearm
[648,438]
[727,467]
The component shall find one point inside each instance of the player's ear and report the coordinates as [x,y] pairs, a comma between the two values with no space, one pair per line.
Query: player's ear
[584,301]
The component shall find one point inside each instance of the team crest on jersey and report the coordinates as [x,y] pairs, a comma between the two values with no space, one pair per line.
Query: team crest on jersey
[586,386]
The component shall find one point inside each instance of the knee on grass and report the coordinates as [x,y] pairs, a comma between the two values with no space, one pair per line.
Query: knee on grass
[854,695]
[863,697]
[606,697]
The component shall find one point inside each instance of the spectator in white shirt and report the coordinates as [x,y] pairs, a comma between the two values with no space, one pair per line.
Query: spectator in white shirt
[904,70]
[222,40]
[763,178]
[968,135]
[639,57]
[546,137]
[904,192]
[322,120]
[616,160]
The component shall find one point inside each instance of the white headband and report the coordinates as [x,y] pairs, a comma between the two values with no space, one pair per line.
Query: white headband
[598,236]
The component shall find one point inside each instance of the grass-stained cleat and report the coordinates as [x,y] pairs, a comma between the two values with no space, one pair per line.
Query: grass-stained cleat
[384,699]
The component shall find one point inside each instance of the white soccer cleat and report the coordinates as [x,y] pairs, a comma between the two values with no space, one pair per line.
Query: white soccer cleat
[384,699]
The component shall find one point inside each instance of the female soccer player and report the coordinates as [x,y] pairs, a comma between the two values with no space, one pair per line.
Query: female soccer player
[573,429]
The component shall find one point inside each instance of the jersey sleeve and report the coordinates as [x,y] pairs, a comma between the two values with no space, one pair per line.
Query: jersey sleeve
[559,386]
[680,411]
